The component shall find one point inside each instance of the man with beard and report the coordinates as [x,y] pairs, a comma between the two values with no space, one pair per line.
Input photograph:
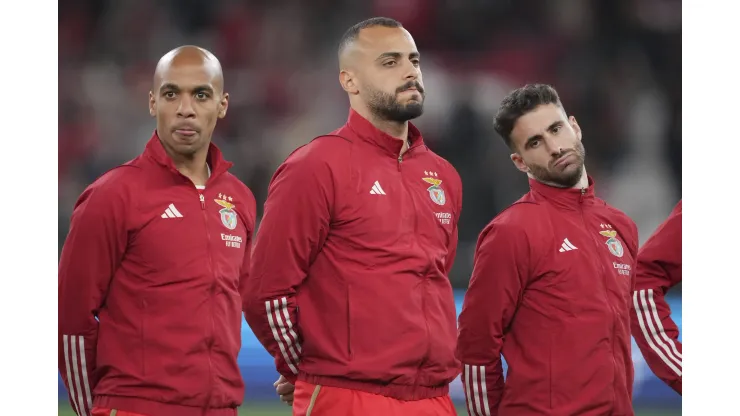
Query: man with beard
[349,288]
[552,281]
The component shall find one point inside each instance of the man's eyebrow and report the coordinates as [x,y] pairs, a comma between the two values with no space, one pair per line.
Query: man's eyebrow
[169,86]
[395,55]
[198,88]
[203,88]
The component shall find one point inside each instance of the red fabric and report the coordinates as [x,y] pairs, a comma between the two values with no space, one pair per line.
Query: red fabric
[336,401]
[164,284]
[551,292]
[97,411]
[659,268]
[355,240]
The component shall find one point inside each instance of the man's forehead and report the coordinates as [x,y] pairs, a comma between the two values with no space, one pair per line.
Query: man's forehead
[185,76]
[379,39]
[539,119]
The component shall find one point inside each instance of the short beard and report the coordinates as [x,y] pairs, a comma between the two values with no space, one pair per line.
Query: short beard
[386,106]
[564,180]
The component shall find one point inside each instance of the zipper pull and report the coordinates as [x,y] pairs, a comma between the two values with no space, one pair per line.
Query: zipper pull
[583,192]
[202,201]
[400,159]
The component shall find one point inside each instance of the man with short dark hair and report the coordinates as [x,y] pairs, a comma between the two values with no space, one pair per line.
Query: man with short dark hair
[349,288]
[552,280]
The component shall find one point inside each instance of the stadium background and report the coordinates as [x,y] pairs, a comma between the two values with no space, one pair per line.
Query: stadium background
[616,64]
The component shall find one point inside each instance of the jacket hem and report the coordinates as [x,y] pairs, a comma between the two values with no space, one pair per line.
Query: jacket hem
[397,391]
[154,408]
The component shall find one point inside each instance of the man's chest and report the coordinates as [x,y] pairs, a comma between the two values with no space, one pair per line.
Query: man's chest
[397,202]
[586,254]
[190,231]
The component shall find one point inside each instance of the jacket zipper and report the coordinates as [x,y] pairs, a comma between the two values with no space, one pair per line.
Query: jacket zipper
[212,292]
[606,292]
[424,282]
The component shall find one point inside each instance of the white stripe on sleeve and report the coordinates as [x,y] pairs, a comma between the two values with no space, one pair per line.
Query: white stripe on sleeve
[645,323]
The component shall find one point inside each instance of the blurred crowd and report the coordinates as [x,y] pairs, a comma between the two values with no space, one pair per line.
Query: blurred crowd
[615,63]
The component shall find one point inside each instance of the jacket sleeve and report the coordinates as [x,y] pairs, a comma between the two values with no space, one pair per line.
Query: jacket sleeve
[500,273]
[659,269]
[294,227]
[251,214]
[91,254]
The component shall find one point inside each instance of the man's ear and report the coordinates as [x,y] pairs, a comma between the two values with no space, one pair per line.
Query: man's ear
[223,105]
[519,162]
[152,105]
[576,128]
[348,81]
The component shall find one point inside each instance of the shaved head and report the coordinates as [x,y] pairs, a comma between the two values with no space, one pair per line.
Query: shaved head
[187,99]
[379,68]
[190,55]
[347,52]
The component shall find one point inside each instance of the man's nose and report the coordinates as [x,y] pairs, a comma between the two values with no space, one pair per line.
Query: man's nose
[185,109]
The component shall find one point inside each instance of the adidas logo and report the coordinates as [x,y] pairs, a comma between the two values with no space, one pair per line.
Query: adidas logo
[376,189]
[171,212]
[567,246]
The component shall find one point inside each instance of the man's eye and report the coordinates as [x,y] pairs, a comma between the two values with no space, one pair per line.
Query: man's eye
[389,63]
[201,96]
[169,94]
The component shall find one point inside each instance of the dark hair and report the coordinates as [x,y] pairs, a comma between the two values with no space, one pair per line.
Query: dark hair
[520,102]
[351,34]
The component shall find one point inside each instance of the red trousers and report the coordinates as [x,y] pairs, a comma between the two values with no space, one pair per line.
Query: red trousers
[313,400]
[96,411]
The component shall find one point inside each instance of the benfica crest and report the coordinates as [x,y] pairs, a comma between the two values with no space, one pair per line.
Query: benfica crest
[228,215]
[615,246]
[436,193]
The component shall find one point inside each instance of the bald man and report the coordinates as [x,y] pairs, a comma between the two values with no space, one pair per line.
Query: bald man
[152,271]
[349,287]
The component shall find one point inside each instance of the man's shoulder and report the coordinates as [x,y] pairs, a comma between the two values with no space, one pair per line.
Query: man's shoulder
[615,213]
[326,149]
[519,217]
[117,179]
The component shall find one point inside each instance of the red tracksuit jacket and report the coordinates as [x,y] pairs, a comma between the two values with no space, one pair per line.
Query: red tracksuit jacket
[349,283]
[551,292]
[658,270]
[149,290]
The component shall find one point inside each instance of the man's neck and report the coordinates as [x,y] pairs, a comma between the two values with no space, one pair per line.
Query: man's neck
[583,182]
[395,129]
[194,167]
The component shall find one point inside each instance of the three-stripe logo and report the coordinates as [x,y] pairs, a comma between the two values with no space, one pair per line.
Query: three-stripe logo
[376,189]
[567,246]
[171,212]
[654,332]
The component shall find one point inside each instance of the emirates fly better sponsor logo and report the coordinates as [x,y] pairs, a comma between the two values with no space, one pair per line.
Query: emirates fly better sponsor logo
[445,218]
[232,240]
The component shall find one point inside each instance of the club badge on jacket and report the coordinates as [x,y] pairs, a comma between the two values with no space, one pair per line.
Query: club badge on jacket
[615,246]
[228,215]
[435,192]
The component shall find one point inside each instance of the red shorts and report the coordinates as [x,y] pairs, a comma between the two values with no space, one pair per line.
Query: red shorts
[313,400]
[97,411]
